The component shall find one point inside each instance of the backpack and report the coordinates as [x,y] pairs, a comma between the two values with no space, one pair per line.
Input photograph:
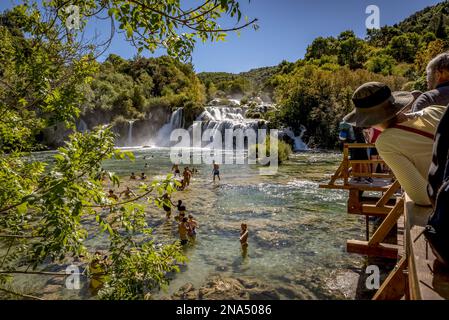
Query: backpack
[437,229]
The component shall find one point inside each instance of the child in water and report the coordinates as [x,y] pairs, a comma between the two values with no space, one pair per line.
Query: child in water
[192,226]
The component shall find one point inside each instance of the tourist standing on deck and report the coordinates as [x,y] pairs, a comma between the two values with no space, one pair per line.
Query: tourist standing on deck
[216,170]
[406,141]
[437,82]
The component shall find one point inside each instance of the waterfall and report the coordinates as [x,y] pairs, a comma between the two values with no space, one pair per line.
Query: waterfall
[162,138]
[130,132]
[219,118]
[298,144]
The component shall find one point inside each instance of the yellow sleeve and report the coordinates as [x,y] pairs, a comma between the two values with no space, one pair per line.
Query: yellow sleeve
[405,171]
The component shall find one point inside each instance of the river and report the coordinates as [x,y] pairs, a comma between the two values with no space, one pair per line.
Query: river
[297,232]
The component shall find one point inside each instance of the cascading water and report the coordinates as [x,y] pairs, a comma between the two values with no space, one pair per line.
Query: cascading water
[162,138]
[298,144]
[219,118]
[130,132]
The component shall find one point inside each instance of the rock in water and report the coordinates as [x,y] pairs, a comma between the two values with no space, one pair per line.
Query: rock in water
[226,288]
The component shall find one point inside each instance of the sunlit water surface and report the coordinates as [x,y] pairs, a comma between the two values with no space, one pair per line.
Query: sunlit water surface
[297,232]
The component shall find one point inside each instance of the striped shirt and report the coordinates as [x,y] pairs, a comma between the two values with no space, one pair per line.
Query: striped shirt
[409,154]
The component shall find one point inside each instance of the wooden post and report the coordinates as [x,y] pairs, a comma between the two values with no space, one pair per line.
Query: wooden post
[345,164]
[389,222]
[388,194]
[367,227]
[393,288]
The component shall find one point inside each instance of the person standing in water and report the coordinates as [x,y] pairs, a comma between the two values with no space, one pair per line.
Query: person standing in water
[175,170]
[187,174]
[216,170]
[167,204]
[192,226]
[244,238]
[183,229]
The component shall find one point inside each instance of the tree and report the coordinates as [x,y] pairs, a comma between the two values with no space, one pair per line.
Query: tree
[352,52]
[320,47]
[45,67]
[402,49]
[382,63]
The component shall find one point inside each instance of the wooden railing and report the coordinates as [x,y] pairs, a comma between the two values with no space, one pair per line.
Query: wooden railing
[346,169]
[347,163]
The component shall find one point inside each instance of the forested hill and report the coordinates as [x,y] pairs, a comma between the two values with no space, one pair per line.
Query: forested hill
[244,83]
[433,19]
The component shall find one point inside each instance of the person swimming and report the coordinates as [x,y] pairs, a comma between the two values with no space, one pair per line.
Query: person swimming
[216,170]
[128,193]
[133,176]
[112,195]
[143,176]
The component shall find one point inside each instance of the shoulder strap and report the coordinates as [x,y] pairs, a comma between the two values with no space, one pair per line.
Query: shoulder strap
[414,130]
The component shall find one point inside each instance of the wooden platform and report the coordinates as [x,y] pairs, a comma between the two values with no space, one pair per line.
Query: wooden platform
[427,279]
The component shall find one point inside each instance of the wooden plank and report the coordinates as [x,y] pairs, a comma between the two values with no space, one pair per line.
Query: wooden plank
[375,211]
[359,145]
[372,175]
[388,194]
[383,250]
[427,280]
[345,163]
[337,174]
[363,187]
[388,223]
[365,161]
[393,288]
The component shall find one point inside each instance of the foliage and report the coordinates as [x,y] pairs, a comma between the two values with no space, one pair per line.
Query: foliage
[284,150]
[47,71]
[316,91]
[250,83]
[129,89]
[318,99]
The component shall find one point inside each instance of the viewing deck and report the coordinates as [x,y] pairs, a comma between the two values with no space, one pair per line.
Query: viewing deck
[427,279]
[417,275]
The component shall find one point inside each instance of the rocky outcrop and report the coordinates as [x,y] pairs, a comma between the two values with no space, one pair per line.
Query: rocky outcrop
[143,129]
[226,288]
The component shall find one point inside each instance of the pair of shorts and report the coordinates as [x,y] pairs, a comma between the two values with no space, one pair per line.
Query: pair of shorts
[184,242]
[166,208]
[216,172]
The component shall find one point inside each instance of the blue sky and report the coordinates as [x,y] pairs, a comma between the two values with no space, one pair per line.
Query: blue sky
[287,27]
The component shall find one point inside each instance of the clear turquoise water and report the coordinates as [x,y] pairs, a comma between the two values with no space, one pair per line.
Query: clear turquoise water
[297,232]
